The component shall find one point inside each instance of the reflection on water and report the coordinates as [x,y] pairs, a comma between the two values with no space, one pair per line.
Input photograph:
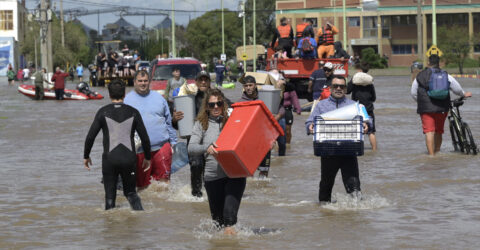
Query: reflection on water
[410,200]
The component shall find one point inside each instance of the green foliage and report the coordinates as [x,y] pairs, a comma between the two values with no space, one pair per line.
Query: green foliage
[373,59]
[204,35]
[77,46]
[469,63]
[455,44]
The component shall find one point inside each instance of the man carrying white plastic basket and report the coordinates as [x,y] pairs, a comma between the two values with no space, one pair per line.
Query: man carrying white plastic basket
[331,164]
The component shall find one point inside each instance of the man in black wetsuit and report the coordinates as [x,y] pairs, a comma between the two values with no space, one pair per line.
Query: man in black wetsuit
[118,122]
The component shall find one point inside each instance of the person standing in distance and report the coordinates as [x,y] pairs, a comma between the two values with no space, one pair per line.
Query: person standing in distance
[156,115]
[118,123]
[432,111]
[59,79]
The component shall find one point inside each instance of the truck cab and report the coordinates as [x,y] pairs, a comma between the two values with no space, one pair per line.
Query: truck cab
[161,71]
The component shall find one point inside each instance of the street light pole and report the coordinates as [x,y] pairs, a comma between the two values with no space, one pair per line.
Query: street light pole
[174,52]
[434,22]
[244,40]
[254,38]
[223,31]
[344,26]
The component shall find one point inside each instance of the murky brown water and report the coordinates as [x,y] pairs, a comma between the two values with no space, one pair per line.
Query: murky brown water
[48,200]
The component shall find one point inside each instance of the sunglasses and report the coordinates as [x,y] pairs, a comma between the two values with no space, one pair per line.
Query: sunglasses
[212,104]
[336,86]
[142,80]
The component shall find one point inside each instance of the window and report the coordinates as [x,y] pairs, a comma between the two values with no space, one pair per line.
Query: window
[404,20]
[6,19]
[476,48]
[354,21]
[404,49]
[370,28]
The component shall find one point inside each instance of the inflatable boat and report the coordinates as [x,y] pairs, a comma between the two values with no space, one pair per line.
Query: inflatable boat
[84,94]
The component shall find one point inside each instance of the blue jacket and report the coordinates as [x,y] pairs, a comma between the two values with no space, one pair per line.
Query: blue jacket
[156,116]
[326,105]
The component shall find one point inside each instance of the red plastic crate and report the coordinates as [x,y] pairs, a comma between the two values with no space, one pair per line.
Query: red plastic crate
[246,138]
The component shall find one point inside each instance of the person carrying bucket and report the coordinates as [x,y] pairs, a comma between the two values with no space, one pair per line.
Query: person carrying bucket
[118,121]
[224,193]
[250,93]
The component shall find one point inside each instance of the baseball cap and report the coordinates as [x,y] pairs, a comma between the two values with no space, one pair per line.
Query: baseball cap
[328,65]
[203,73]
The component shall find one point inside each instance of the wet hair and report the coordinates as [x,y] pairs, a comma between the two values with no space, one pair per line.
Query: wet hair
[434,60]
[249,79]
[141,73]
[340,77]
[116,89]
[204,114]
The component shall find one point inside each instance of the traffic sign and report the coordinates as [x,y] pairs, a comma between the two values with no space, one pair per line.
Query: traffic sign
[434,50]
[223,57]
[244,56]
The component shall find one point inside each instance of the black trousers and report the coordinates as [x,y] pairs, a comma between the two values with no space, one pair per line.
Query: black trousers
[39,92]
[197,168]
[330,166]
[59,94]
[110,178]
[224,197]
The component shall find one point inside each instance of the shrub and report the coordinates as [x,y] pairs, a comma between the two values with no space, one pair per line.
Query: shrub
[373,59]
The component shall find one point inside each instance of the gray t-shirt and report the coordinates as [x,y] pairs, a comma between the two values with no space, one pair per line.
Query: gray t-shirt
[172,85]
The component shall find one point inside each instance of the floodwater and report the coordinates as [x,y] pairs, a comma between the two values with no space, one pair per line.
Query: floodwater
[410,200]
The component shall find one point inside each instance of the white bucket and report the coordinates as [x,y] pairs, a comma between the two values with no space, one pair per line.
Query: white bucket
[186,104]
[347,113]
[271,98]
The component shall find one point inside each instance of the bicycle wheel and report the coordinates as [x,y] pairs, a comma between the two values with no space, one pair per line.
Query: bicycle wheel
[472,147]
[459,133]
[453,134]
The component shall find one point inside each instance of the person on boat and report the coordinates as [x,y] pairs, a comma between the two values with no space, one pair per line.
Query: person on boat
[59,79]
[224,193]
[250,93]
[118,123]
[331,164]
[325,40]
[284,34]
[158,121]
[39,79]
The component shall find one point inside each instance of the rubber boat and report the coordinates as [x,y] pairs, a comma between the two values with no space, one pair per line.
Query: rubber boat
[29,90]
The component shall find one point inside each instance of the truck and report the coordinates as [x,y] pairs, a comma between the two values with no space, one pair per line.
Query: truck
[300,70]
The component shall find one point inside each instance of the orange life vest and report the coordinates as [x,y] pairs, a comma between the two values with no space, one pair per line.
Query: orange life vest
[284,31]
[301,28]
[326,37]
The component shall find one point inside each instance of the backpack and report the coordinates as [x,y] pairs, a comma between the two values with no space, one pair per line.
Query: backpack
[438,85]
[307,46]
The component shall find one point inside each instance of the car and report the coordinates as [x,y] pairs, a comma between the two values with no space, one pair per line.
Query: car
[143,65]
[162,71]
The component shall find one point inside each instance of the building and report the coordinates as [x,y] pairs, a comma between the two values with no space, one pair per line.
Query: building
[388,26]
[121,29]
[12,33]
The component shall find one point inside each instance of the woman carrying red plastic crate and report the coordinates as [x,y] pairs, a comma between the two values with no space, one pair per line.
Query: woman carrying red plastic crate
[224,193]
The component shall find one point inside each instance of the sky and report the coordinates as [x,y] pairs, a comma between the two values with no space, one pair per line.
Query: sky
[190,9]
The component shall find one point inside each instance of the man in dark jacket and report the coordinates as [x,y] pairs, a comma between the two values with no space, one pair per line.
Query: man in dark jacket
[339,51]
[433,112]
[284,33]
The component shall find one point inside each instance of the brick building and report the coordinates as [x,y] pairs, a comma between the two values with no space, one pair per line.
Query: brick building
[388,26]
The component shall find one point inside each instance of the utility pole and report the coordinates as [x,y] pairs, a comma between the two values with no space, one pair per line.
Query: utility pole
[42,18]
[61,23]
[254,37]
[244,34]
[223,32]
[49,37]
[434,22]
[174,52]
[344,26]
[98,24]
[419,30]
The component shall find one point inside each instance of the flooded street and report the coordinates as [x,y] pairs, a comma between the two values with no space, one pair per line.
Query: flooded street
[410,199]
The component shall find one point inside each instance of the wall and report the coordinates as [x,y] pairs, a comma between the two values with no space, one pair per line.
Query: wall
[7,54]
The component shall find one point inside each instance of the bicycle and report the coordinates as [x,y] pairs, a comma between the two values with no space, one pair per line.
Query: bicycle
[462,138]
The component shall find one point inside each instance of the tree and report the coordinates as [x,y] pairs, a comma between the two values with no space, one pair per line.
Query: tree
[204,35]
[265,20]
[455,44]
[373,59]
[77,44]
